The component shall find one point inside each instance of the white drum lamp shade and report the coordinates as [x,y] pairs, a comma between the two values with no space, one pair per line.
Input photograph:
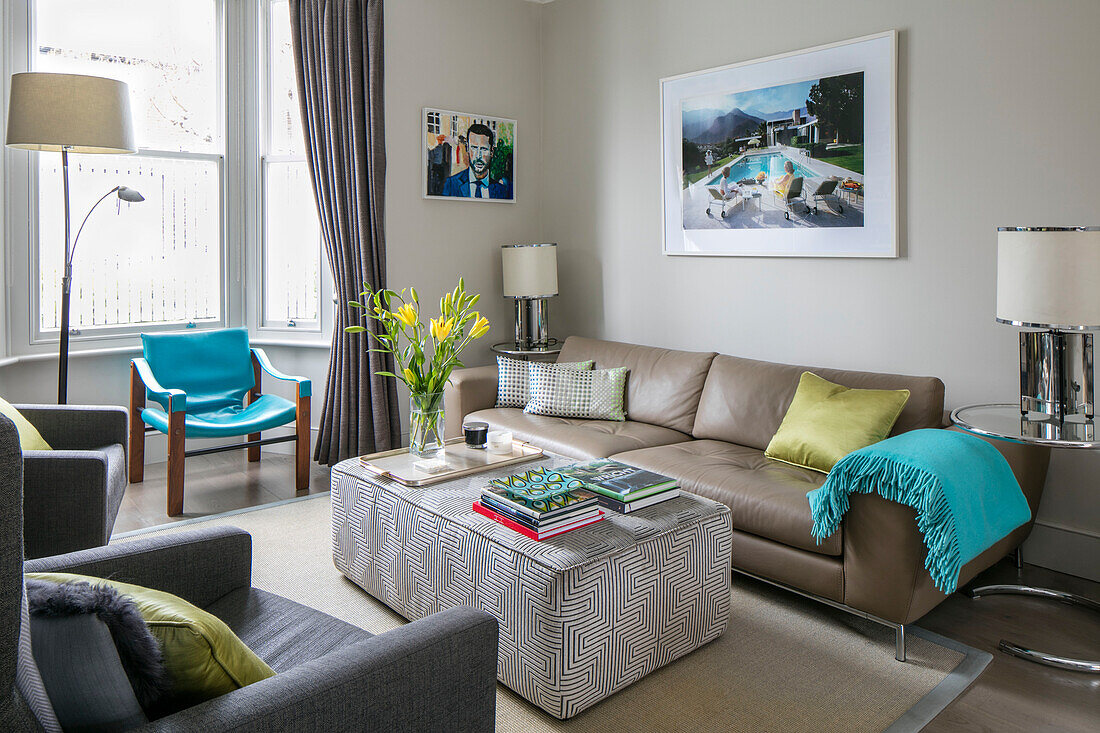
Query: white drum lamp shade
[1049,278]
[81,114]
[530,270]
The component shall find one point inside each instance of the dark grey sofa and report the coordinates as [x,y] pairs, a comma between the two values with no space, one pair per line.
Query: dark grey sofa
[435,674]
[72,493]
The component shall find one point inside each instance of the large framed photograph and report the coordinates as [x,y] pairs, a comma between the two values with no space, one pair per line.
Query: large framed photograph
[789,156]
[468,156]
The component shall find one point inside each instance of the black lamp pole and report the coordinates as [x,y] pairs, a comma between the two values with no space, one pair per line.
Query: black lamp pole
[128,195]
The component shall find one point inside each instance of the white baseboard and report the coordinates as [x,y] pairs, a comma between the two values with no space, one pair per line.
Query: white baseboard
[1065,549]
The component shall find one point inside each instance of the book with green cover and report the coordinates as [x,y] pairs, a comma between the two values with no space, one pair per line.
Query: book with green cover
[618,480]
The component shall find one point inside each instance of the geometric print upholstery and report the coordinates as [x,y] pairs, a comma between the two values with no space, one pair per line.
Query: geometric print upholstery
[513,376]
[593,395]
[581,615]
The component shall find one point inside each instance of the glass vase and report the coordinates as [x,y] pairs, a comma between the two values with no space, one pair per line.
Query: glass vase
[426,418]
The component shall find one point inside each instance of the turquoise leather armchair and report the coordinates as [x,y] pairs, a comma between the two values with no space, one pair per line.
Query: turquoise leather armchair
[207,385]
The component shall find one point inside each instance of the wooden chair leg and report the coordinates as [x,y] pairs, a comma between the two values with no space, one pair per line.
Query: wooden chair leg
[175,463]
[137,427]
[301,446]
[253,395]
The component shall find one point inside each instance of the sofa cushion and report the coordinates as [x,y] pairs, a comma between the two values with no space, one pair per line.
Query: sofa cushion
[827,421]
[767,498]
[744,400]
[664,386]
[593,394]
[575,437]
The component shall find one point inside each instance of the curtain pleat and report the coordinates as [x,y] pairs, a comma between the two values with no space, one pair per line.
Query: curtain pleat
[338,58]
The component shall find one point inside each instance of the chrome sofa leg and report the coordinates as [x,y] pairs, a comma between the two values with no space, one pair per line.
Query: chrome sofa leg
[1019,559]
[899,643]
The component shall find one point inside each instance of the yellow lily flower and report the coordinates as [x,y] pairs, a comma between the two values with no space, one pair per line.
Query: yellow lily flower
[406,314]
[481,326]
[409,376]
[441,329]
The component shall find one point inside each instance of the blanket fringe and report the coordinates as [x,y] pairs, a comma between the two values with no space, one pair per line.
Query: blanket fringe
[902,484]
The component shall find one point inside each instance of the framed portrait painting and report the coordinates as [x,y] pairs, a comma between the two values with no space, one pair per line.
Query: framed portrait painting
[788,156]
[468,157]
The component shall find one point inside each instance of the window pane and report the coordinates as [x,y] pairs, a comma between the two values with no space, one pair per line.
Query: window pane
[292,244]
[149,262]
[167,51]
[284,115]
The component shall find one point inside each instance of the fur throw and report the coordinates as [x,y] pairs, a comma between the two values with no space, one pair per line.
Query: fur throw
[138,650]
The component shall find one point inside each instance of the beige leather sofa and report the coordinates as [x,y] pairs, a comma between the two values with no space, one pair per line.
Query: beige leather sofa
[706,419]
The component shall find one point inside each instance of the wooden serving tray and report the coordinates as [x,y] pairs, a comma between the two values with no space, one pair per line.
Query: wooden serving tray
[397,465]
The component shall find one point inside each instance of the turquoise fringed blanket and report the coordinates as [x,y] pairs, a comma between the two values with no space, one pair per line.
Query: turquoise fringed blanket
[965,494]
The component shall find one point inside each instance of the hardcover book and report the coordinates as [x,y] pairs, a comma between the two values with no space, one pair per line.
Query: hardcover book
[540,522]
[533,534]
[545,507]
[623,507]
[618,480]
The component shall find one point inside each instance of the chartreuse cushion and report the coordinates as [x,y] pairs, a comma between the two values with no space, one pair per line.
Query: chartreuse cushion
[29,437]
[827,421]
[203,657]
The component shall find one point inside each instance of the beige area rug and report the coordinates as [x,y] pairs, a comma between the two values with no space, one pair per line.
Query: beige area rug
[784,664]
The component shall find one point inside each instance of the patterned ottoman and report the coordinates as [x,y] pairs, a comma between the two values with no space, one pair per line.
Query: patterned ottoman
[582,615]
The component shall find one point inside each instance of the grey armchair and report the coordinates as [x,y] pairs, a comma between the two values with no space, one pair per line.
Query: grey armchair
[72,493]
[435,674]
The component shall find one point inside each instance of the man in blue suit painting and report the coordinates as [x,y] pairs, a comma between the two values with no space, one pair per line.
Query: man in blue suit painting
[473,182]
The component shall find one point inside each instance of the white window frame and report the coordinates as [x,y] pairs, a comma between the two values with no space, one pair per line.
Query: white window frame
[24,165]
[323,323]
[243,33]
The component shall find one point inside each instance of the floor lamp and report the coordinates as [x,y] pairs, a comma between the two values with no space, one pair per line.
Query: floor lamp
[70,113]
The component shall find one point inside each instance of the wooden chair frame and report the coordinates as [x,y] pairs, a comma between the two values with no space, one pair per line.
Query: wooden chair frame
[177,431]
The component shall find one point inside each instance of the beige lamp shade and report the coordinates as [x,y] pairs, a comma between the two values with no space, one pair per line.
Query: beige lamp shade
[82,114]
[530,270]
[1049,277]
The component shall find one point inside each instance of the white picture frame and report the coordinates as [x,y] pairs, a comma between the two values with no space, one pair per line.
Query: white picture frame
[711,118]
[446,157]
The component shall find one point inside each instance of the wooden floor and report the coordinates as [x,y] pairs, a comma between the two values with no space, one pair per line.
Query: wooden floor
[1011,695]
[213,484]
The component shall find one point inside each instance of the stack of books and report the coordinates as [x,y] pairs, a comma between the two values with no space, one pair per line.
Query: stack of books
[539,504]
[622,488]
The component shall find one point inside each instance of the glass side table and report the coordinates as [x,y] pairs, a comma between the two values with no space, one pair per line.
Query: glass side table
[1005,422]
[508,348]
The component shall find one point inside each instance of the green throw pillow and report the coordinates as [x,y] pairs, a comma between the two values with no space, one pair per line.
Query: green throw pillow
[29,437]
[826,422]
[204,658]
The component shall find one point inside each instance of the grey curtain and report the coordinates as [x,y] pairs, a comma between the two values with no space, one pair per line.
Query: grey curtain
[338,61]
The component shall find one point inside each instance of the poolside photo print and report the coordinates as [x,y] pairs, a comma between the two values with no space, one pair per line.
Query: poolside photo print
[793,155]
[468,157]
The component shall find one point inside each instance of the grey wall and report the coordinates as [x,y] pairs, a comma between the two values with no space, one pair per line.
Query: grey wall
[998,109]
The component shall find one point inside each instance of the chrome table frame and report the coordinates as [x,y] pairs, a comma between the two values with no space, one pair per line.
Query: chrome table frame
[1033,655]
[1051,660]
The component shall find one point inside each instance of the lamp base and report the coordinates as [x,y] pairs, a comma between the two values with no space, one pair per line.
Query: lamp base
[1056,374]
[532,323]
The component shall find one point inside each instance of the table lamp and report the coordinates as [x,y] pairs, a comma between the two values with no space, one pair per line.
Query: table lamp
[1049,278]
[531,277]
[70,113]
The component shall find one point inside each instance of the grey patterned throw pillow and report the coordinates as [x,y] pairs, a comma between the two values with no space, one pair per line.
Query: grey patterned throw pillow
[596,394]
[513,378]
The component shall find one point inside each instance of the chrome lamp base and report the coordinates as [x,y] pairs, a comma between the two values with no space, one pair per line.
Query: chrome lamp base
[1056,374]
[532,323]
